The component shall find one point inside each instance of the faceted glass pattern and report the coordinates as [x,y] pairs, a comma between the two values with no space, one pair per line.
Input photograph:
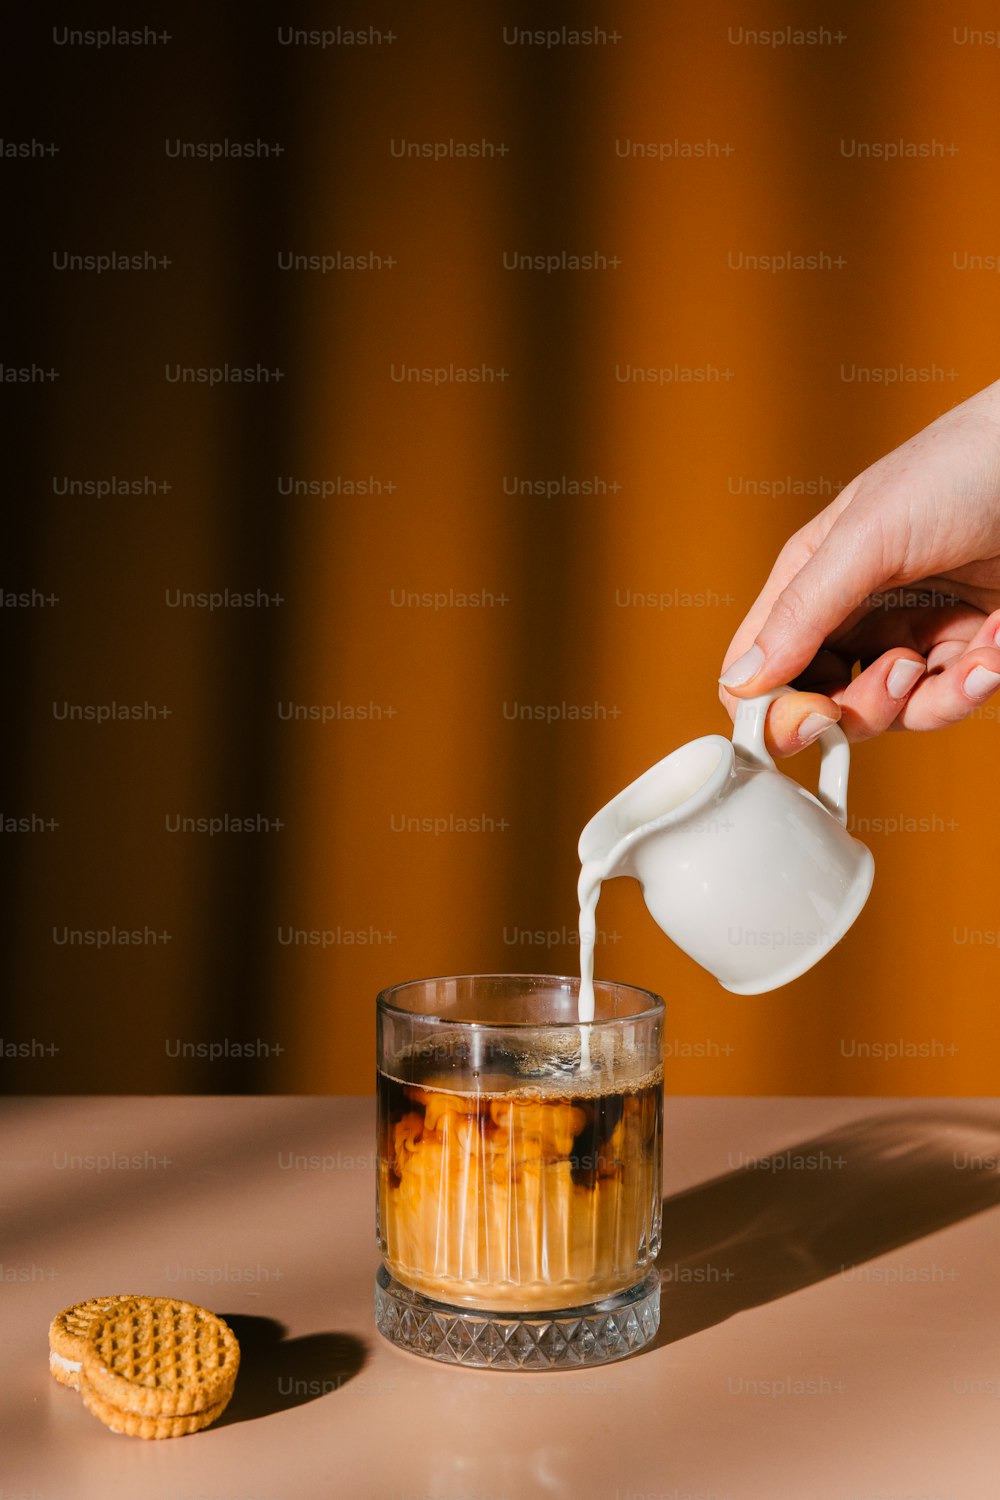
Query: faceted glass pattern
[565,1338]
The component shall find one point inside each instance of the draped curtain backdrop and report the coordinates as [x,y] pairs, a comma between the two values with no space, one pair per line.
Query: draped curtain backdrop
[478,606]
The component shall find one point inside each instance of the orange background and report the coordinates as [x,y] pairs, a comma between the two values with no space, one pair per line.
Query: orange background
[688,521]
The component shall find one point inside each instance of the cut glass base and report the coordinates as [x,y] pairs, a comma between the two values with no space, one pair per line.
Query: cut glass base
[567,1338]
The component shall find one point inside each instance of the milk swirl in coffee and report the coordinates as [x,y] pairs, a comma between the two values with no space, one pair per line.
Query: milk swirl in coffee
[525,1193]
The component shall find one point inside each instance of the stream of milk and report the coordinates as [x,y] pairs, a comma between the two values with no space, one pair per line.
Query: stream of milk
[589,892]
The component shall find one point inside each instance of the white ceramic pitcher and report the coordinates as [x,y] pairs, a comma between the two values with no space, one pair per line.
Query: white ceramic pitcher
[750,874]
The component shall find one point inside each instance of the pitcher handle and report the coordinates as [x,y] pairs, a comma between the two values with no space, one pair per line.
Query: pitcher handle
[835,752]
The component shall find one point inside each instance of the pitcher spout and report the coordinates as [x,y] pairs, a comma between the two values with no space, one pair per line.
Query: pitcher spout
[669,793]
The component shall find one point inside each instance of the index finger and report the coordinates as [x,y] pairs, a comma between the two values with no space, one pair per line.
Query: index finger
[794,555]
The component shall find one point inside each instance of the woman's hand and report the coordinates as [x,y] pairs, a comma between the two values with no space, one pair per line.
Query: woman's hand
[901,572]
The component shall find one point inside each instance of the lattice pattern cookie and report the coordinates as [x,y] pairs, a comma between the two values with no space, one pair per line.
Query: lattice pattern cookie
[68,1334]
[150,1367]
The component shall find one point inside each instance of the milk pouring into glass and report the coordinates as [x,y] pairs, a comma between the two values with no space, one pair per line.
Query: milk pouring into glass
[520,1116]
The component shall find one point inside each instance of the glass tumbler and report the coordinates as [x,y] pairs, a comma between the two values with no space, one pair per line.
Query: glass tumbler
[519,1170]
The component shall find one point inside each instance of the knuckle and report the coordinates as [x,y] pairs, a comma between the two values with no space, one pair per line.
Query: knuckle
[791,610]
[941,711]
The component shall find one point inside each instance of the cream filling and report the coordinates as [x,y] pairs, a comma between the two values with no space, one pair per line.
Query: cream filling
[69,1365]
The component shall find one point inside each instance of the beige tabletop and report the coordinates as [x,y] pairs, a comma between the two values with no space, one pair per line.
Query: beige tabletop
[829,1331]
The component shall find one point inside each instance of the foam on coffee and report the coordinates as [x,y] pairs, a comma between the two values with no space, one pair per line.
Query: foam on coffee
[613,1067]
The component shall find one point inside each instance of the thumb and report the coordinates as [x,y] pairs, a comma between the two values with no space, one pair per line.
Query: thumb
[849,564]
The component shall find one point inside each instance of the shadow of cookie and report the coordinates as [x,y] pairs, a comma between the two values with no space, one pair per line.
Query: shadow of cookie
[277,1373]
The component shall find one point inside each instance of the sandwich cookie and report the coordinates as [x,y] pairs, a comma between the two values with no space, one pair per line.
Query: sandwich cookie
[155,1367]
[68,1334]
[149,1367]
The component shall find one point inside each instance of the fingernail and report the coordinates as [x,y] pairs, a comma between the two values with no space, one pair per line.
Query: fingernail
[812,727]
[980,684]
[902,677]
[743,668]
[996,636]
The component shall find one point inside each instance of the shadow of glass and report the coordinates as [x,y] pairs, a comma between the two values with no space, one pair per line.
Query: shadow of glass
[798,1216]
[278,1373]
